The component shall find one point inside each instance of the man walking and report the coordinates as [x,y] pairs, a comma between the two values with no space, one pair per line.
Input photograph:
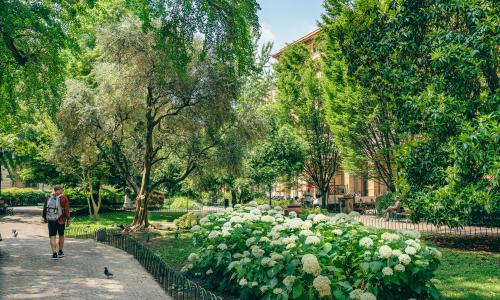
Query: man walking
[56,214]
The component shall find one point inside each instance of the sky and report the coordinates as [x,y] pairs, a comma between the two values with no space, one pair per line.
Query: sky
[284,21]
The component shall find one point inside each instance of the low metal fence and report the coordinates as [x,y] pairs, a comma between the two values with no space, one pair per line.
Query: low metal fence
[174,283]
[400,222]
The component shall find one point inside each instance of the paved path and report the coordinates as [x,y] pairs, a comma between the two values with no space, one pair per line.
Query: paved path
[27,272]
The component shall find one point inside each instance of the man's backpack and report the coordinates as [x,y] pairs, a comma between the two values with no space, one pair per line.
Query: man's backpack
[54,208]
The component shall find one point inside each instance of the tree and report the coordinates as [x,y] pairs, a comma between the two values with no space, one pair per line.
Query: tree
[152,121]
[280,155]
[362,100]
[301,100]
[432,66]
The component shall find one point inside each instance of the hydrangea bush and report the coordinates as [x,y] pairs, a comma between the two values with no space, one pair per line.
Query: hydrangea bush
[257,252]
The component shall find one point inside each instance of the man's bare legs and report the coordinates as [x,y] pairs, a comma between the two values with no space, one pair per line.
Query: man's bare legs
[61,242]
[53,243]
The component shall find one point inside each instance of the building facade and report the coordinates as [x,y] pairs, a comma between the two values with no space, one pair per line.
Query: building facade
[365,189]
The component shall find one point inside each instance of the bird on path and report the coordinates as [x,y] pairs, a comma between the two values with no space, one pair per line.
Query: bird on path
[14,231]
[107,273]
[0,237]
[15,234]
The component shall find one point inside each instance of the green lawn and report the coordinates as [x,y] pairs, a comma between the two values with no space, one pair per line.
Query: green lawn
[462,274]
[469,274]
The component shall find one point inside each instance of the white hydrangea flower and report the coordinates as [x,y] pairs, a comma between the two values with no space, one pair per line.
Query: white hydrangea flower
[227,225]
[289,280]
[238,226]
[277,228]
[385,251]
[396,252]
[214,234]
[236,219]
[272,212]
[187,267]
[289,240]
[265,261]
[255,283]
[292,214]
[210,247]
[250,241]
[337,232]
[243,282]
[207,224]
[253,203]
[399,268]
[276,242]
[388,236]
[204,220]
[276,256]
[264,239]
[306,225]
[327,247]
[268,219]
[367,296]
[279,219]
[225,233]
[306,232]
[209,271]
[264,207]
[310,264]
[320,218]
[237,255]
[221,220]
[436,253]
[264,288]
[311,216]
[222,246]
[387,271]
[193,257]
[229,209]
[277,291]
[366,242]
[405,259]
[410,250]
[195,228]
[245,260]
[256,211]
[356,294]
[257,252]
[290,246]
[322,285]
[246,253]
[312,240]
[278,208]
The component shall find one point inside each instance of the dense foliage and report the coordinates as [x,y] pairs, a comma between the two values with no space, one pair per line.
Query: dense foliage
[424,76]
[258,253]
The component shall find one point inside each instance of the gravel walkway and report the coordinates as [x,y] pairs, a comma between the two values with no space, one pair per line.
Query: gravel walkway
[27,272]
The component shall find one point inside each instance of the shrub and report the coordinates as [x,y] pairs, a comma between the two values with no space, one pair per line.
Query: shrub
[23,196]
[76,196]
[186,221]
[182,203]
[265,201]
[383,202]
[258,253]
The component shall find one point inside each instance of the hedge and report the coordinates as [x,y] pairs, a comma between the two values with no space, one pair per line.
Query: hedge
[383,202]
[29,196]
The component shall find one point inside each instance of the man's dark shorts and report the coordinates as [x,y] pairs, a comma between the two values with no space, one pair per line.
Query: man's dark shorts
[56,228]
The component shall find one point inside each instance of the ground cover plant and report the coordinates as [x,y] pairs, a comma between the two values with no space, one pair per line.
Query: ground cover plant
[259,253]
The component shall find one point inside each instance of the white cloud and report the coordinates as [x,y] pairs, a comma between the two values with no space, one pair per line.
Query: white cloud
[266,35]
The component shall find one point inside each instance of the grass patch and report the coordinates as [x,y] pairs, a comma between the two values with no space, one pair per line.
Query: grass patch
[469,275]
[113,219]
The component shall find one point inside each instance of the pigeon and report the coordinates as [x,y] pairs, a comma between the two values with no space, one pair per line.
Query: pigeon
[107,273]
[0,237]
[14,231]
[15,234]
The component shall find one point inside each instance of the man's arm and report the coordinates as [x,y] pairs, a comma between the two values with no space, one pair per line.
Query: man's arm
[66,210]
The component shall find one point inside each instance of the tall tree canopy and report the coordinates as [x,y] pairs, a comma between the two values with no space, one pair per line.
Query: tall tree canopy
[153,115]
[429,69]
[303,106]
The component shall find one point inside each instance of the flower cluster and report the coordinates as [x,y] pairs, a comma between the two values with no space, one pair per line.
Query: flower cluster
[262,253]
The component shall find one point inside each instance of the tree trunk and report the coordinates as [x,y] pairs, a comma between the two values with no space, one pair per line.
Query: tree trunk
[270,192]
[93,194]
[234,198]
[324,198]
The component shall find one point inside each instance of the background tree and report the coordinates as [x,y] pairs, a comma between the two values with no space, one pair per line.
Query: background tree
[154,123]
[302,103]
[432,69]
